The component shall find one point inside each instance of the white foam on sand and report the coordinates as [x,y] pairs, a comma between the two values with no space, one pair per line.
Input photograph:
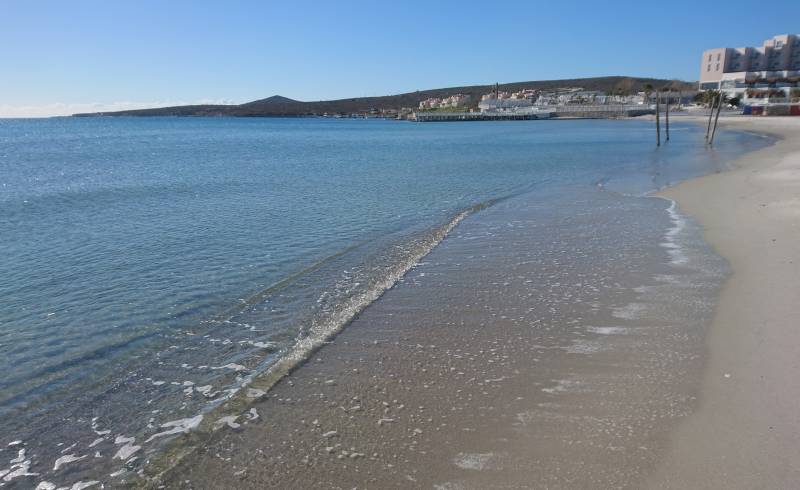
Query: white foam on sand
[630,311]
[178,427]
[260,345]
[126,451]
[562,385]
[584,347]
[206,391]
[252,414]
[448,486]
[69,458]
[20,457]
[674,249]
[232,366]
[255,393]
[95,428]
[83,484]
[229,420]
[608,330]
[46,485]
[20,466]
[473,461]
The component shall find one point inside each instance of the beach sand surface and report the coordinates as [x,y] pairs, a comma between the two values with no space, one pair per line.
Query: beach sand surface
[746,430]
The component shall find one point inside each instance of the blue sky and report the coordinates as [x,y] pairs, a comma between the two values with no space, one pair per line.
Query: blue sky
[64,56]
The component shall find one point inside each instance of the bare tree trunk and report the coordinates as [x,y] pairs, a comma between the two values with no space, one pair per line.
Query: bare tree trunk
[667,113]
[658,119]
[719,109]
[710,114]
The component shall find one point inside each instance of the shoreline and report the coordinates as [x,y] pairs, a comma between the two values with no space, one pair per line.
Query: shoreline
[549,310]
[746,429]
[316,412]
[611,411]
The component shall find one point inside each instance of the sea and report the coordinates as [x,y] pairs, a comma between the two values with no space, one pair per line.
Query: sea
[151,269]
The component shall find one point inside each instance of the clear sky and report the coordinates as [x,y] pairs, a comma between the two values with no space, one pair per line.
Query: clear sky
[59,57]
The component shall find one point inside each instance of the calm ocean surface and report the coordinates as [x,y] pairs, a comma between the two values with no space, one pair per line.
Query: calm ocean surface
[149,268]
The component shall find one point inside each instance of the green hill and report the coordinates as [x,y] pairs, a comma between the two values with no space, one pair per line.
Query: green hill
[277,106]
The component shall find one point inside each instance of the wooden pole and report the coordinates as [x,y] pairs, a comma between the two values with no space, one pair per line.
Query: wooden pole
[710,114]
[719,109]
[658,118]
[669,92]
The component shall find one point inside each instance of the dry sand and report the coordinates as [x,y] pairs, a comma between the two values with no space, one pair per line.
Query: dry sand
[746,431]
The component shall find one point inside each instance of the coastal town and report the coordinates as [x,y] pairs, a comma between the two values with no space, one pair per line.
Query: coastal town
[752,81]
[746,80]
[537,104]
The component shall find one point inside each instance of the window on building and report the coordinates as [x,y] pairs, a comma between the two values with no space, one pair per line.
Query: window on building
[709,68]
[717,69]
[709,57]
[718,56]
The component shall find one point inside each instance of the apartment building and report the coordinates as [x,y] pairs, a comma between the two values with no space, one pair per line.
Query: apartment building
[775,65]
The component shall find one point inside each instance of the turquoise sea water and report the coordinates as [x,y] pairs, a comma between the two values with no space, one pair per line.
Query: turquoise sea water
[150,267]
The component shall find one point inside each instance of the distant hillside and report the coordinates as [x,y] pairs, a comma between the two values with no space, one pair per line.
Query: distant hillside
[281,106]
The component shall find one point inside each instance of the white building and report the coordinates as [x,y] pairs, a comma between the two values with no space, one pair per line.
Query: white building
[507,104]
[453,101]
[775,65]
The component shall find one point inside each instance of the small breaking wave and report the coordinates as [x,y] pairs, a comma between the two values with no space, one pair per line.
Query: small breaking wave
[325,327]
[322,329]
[674,249]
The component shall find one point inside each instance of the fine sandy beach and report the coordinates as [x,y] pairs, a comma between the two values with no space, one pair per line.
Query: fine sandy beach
[443,383]
[746,431]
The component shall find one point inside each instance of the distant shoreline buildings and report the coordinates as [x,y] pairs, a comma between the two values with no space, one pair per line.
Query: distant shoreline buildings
[526,104]
[504,101]
[769,71]
[451,102]
[530,99]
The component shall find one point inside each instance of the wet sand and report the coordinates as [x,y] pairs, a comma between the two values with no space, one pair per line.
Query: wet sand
[467,375]
[510,358]
[746,431]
